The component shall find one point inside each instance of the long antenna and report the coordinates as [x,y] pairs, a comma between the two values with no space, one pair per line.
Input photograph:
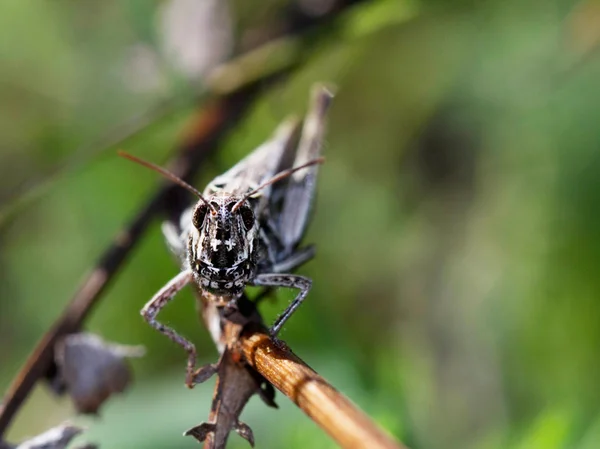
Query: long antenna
[278,177]
[167,174]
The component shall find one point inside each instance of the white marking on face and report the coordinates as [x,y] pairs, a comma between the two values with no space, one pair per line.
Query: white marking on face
[214,284]
[229,244]
[214,243]
[229,285]
[239,283]
[205,282]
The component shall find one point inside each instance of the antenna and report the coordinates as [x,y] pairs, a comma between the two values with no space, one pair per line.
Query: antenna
[167,174]
[278,177]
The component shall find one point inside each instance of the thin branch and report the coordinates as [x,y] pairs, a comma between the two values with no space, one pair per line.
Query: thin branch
[349,426]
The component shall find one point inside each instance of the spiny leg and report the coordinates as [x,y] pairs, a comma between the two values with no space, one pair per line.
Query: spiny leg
[155,305]
[284,280]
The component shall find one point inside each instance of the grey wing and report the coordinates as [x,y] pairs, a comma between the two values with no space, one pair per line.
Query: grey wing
[259,166]
[300,188]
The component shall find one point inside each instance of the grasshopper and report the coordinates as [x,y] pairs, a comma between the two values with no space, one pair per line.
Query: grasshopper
[246,227]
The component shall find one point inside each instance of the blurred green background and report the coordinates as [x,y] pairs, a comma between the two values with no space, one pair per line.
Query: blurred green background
[456,284]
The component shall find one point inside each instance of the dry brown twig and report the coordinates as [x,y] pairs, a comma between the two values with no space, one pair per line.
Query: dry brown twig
[349,426]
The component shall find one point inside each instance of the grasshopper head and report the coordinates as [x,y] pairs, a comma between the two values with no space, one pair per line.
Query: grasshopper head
[222,249]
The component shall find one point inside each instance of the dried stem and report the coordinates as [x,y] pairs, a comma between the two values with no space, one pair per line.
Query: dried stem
[332,411]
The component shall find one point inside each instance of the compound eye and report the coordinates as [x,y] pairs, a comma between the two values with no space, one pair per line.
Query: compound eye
[199,214]
[247,217]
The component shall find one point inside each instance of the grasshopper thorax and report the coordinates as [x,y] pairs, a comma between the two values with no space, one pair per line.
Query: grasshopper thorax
[222,249]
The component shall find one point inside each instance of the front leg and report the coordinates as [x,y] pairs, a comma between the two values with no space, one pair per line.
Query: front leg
[155,305]
[284,280]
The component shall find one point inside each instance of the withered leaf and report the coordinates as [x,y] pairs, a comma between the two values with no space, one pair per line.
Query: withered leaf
[92,369]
